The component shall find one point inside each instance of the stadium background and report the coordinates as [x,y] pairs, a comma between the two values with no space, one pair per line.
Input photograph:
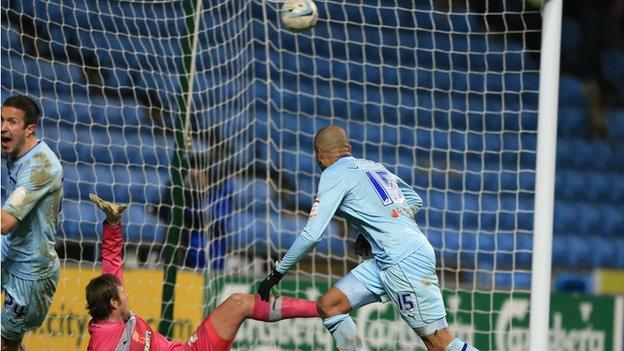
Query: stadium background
[108,75]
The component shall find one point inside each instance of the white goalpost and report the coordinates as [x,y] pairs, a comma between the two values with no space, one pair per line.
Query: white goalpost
[545,174]
[201,115]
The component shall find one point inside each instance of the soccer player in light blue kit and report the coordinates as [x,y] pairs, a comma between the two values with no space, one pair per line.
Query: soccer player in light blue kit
[381,206]
[30,265]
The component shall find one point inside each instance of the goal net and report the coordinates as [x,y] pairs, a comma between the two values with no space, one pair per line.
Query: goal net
[201,115]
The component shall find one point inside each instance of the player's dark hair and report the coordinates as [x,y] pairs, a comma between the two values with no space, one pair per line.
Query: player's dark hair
[26,104]
[99,292]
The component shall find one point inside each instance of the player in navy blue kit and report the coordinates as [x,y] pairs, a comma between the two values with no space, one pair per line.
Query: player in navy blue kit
[30,265]
[381,206]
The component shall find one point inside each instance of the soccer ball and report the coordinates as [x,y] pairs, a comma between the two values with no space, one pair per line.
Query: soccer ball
[299,14]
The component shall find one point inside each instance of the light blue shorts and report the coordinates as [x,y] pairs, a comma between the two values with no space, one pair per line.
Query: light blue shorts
[412,285]
[26,303]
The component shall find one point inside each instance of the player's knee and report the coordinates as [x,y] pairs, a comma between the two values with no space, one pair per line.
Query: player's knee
[240,303]
[327,306]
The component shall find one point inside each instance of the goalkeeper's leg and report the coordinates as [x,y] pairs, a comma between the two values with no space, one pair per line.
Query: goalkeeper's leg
[228,316]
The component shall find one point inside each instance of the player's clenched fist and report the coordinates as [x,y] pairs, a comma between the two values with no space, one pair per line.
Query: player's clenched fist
[264,290]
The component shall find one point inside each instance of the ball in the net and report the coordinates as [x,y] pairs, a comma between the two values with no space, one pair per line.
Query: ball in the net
[299,14]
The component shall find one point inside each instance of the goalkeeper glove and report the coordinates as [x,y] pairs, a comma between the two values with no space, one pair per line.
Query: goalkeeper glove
[264,290]
[113,211]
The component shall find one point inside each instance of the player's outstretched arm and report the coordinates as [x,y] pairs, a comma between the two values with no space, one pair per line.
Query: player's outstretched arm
[332,190]
[112,239]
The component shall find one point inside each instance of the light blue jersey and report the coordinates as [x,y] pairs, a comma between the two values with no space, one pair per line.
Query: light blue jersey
[381,206]
[374,201]
[35,192]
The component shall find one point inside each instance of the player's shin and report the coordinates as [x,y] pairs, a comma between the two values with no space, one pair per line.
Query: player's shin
[459,345]
[344,332]
[282,307]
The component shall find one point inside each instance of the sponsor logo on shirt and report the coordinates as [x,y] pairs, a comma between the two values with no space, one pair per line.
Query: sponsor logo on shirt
[136,337]
[148,340]
[314,209]
[192,339]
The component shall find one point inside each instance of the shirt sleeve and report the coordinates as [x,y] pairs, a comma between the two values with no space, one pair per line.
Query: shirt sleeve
[413,199]
[33,183]
[112,244]
[331,191]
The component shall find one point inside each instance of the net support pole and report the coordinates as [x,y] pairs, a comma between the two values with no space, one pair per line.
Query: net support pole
[267,48]
[181,135]
[545,175]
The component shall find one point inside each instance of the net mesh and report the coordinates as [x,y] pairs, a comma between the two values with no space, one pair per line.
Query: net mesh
[444,93]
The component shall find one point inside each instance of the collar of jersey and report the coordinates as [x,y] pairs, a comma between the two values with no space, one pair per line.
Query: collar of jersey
[27,152]
[344,156]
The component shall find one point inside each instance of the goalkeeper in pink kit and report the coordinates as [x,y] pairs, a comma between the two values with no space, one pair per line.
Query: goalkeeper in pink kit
[114,327]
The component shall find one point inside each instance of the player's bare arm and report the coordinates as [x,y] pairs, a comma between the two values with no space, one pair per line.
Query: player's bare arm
[8,222]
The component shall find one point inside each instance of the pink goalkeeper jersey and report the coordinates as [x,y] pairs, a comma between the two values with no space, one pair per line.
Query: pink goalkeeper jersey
[134,334]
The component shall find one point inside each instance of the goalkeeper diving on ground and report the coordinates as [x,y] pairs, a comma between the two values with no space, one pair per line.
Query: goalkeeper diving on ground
[114,327]
[380,206]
